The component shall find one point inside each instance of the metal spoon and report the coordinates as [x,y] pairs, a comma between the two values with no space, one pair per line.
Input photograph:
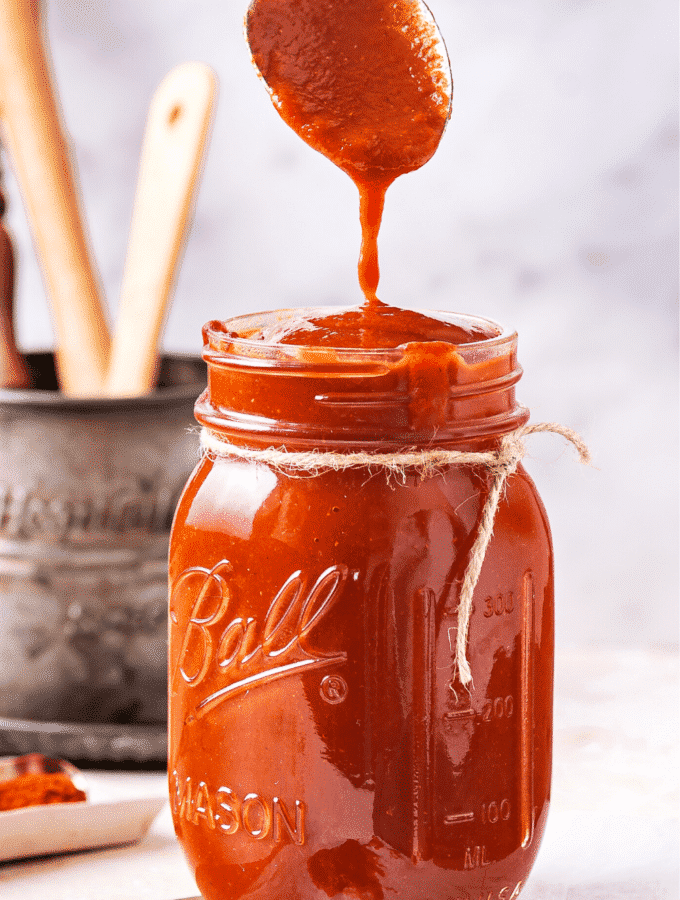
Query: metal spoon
[365,82]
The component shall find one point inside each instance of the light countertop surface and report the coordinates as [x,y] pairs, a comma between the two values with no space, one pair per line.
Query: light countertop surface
[613,827]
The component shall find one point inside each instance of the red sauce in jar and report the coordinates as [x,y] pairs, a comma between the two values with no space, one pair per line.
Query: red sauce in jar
[320,742]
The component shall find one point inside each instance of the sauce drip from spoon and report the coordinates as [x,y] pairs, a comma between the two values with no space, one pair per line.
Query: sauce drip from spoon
[365,82]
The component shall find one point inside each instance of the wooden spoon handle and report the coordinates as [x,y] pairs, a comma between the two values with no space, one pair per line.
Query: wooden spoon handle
[172,151]
[35,137]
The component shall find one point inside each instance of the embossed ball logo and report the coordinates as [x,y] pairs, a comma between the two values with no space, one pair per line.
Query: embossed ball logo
[234,653]
[333,689]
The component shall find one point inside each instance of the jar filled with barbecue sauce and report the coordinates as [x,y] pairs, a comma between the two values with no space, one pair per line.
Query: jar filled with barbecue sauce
[321,741]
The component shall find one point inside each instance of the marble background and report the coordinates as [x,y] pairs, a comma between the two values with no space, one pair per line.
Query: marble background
[551,206]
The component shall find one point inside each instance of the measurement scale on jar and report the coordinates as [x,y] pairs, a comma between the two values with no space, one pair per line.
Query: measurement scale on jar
[500,723]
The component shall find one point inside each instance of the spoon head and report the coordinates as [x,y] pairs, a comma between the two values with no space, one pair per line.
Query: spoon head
[365,82]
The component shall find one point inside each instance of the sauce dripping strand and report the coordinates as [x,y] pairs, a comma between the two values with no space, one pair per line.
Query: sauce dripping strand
[365,82]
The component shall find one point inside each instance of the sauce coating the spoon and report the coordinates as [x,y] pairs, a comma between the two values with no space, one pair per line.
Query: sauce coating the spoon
[364,82]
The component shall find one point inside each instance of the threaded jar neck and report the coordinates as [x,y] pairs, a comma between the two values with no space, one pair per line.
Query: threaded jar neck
[422,393]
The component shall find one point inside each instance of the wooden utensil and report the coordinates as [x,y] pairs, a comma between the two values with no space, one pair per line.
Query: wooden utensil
[174,140]
[13,369]
[36,139]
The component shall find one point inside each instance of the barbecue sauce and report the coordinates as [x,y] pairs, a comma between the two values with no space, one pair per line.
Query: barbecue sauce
[320,742]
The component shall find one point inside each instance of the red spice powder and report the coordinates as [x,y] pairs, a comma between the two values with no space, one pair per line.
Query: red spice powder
[37,788]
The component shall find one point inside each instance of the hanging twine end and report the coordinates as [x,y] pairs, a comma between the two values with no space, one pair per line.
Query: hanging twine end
[566,433]
[509,457]
[465,676]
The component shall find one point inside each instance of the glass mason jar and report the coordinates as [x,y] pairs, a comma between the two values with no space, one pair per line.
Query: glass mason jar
[321,743]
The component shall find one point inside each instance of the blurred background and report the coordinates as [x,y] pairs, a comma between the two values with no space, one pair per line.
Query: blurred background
[551,206]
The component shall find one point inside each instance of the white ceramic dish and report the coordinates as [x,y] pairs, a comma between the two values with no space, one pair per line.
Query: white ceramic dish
[67,827]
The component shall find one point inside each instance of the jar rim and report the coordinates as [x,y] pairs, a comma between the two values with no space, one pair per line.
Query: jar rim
[262,392]
[229,338]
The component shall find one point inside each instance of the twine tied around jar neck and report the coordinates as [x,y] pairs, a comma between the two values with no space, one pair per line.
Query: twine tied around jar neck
[426,463]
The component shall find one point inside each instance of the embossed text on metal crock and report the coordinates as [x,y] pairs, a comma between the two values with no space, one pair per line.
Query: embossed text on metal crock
[135,505]
[240,650]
